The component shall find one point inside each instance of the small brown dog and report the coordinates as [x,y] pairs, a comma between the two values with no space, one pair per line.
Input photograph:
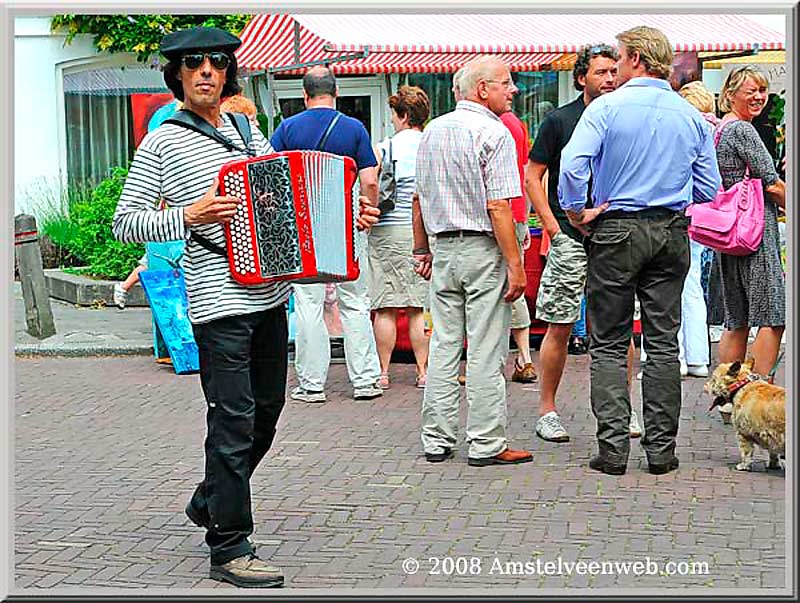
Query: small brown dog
[759,410]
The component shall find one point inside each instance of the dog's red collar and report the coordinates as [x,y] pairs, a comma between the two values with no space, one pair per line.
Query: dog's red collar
[736,386]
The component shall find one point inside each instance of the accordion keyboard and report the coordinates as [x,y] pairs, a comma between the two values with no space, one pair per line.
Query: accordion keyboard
[244,251]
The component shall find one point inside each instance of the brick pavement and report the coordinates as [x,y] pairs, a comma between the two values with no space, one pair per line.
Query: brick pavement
[108,449]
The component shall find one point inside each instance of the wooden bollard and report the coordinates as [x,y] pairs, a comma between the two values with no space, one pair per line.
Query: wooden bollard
[38,314]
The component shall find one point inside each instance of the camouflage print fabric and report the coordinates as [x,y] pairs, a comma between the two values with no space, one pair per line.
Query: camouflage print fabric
[562,282]
[520,316]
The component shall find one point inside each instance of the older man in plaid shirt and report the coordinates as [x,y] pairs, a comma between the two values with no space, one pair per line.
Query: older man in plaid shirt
[466,175]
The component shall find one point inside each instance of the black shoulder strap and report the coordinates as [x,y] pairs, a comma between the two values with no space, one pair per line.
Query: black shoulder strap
[242,125]
[192,121]
[328,131]
[208,245]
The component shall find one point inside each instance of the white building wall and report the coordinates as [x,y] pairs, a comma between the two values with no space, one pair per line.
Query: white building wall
[39,107]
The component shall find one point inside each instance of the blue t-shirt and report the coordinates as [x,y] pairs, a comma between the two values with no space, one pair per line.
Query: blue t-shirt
[304,131]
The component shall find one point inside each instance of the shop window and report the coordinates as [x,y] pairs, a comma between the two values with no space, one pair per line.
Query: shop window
[537,96]
[438,87]
[99,116]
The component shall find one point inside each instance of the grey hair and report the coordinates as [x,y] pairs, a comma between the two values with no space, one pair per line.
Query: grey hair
[480,68]
[458,77]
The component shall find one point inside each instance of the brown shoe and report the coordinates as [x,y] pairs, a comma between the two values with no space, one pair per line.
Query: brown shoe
[247,571]
[462,380]
[507,457]
[524,374]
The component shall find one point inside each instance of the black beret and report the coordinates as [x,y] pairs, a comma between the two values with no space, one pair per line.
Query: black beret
[180,42]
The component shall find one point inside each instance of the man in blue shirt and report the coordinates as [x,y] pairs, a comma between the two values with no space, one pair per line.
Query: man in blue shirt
[650,155]
[322,127]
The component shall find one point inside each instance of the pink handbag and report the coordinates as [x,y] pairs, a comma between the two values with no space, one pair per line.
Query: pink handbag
[733,223]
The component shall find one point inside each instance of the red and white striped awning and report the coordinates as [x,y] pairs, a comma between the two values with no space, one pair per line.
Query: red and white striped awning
[269,41]
[420,42]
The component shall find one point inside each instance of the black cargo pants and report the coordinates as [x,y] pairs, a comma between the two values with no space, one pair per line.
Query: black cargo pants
[646,254]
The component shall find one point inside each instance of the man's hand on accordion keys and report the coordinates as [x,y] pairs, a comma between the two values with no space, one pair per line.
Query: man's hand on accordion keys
[368,214]
[211,208]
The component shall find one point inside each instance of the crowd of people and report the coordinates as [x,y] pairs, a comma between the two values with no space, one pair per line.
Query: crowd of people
[443,211]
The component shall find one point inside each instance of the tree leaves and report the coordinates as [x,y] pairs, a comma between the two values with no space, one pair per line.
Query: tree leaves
[139,34]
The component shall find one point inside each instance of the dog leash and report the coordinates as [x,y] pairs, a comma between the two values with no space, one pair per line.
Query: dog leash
[774,370]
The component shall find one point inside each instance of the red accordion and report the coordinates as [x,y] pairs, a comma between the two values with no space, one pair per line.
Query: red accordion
[297,218]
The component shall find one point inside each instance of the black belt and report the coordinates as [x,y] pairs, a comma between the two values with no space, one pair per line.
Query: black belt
[461,233]
[642,214]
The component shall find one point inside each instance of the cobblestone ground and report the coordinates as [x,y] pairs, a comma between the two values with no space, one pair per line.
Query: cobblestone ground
[108,449]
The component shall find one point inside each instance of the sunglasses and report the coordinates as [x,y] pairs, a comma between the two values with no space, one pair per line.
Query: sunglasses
[600,49]
[219,60]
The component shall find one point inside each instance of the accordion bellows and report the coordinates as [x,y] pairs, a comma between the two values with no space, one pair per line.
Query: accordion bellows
[297,219]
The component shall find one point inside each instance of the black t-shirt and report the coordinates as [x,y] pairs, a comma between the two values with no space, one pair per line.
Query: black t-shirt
[553,136]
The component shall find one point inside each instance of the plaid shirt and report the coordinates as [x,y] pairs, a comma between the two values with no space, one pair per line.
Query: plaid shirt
[466,158]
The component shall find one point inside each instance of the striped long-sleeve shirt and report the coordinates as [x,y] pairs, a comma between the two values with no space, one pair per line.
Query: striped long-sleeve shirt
[179,165]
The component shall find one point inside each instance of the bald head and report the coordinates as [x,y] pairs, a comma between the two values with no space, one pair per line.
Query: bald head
[319,81]
[487,81]
[480,69]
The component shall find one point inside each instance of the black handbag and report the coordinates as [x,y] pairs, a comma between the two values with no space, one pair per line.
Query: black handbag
[387,185]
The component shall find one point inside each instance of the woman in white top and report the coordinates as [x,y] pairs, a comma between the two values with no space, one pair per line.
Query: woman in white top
[393,282]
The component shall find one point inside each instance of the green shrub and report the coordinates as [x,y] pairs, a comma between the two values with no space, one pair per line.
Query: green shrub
[91,236]
[51,204]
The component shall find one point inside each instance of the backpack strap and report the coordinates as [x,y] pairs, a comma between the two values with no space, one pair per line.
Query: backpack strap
[192,121]
[242,125]
[327,132]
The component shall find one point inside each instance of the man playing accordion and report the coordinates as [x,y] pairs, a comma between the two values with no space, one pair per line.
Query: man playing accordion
[241,331]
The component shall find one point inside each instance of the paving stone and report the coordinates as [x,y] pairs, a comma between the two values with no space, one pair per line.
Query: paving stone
[102,482]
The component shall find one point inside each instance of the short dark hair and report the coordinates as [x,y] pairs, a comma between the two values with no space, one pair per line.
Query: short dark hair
[586,54]
[319,84]
[411,101]
[231,87]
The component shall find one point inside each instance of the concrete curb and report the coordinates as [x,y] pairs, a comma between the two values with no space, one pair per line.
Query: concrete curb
[77,351]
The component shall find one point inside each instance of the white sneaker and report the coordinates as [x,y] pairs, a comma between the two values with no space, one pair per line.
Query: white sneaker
[550,429]
[368,392]
[633,427]
[697,370]
[304,395]
[120,296]
[684,369]
[639,375]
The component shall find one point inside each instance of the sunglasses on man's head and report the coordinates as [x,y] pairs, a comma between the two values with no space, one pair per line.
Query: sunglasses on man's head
[601,49]
[219,60]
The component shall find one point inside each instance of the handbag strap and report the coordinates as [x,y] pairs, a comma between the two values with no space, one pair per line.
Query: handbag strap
[717,136]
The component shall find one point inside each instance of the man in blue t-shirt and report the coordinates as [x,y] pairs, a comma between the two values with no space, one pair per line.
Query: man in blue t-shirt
[322,127]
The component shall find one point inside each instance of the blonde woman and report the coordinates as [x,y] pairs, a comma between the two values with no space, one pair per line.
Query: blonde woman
[753,287]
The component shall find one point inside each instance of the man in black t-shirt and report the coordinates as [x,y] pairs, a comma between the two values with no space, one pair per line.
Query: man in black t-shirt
[561,287]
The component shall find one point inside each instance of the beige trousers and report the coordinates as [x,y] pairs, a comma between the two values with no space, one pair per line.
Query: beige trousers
[467,286]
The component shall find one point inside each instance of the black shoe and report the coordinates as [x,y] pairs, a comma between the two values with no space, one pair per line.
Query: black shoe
[598,463]
[199,518]
[248,571]
[662,468]
[578,345]
[438,457]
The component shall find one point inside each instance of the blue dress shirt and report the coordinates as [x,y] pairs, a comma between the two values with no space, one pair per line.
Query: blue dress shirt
[645,147]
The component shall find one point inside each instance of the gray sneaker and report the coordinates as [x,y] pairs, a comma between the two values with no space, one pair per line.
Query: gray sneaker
[248,571]
[298,393]
[550,429]
[368,392]
[633,427]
